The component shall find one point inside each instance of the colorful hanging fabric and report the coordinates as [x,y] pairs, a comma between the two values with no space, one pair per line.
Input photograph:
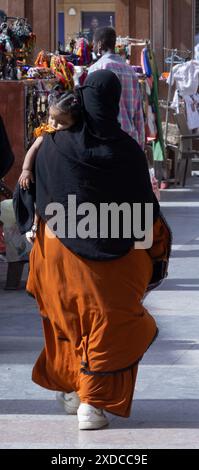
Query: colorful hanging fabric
[146,63]
[84,52]
[63,71]
[43,59]
[150,62]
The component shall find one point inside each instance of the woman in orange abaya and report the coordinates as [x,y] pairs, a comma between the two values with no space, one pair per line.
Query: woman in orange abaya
[90,290]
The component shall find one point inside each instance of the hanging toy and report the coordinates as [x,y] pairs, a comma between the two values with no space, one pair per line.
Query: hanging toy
[63,71]
[43,59]
[30,42]
[20,33]
[83,51]
[6,44]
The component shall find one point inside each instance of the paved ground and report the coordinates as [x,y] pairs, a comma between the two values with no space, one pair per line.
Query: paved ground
[166,406]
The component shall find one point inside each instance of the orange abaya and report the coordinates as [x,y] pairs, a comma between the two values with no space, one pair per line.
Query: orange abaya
[96,328]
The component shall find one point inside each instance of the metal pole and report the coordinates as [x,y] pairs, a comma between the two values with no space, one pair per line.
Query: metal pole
[174,51]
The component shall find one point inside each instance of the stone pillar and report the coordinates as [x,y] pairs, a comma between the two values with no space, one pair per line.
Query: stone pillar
[4,5]
[16,8]
[180,24]
[139,17]
[158,31]
[140,25]
[44,24]
[23,8]
[122,17]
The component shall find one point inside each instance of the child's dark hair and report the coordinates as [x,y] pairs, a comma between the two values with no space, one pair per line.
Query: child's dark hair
[66,102]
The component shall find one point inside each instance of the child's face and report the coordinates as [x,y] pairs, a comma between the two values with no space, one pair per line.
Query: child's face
[59,120]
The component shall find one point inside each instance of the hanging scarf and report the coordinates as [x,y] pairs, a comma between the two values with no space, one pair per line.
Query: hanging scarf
[63,71]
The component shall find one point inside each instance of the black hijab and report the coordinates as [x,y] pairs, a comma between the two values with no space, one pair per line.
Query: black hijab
[98,163]
[100,98]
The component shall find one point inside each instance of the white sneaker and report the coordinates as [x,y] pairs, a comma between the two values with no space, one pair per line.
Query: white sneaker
[69,401]
[90,417]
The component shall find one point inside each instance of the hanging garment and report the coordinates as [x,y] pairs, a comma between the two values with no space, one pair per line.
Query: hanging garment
[158,145]
[151,124]
[186,77]
[192,109]
[146,63]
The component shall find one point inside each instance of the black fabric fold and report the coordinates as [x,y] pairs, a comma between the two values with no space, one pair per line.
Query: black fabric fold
[24,207]
[6,154]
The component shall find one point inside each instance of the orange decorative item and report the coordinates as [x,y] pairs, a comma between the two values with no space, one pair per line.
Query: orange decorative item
[63,71]
[43,59]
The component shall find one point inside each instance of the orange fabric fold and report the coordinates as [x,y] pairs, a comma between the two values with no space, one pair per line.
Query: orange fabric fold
[95,327]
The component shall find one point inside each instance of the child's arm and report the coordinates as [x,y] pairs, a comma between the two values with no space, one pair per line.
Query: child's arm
[27,176]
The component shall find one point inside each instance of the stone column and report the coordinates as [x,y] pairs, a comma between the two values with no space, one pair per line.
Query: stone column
[180,24]
[44,24]
[4,5]
[158,36]
[122,17]
[16,8]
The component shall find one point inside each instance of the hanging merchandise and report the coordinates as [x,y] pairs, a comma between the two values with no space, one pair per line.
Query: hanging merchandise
[16,42]
[42,69]
[83,51]
[123,51]
[71,51]
[63,71]
[186,77]
[151,70]
[37,94]
[43,59]
[192,111]
[40,73]
[6,44]
[22,35]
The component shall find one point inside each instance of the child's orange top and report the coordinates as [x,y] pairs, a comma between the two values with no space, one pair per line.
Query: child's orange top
[43,129]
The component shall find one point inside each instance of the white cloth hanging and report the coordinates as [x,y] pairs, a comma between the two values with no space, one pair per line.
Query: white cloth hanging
[192,108]
[186,77]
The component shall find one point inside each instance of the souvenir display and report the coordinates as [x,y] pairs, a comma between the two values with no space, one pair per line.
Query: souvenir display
[40,72]
[16,41]
[37,93]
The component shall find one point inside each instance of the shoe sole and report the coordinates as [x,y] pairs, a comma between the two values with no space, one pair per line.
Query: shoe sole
[86,426]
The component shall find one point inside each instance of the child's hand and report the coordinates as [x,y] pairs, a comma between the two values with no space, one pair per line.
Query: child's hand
[25,179]
[31,236]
